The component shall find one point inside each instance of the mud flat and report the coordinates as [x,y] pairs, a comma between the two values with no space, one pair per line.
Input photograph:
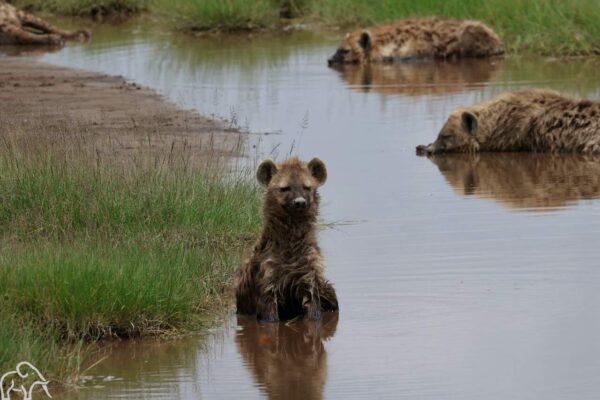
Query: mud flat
[121,117]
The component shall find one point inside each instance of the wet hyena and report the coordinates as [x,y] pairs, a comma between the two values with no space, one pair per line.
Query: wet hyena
[20,27]
[283,278]
[414,39]
[528,120]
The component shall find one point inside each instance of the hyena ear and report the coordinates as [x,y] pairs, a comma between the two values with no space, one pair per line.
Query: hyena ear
[317,170]
[265,172]
[365,40]
[469,122]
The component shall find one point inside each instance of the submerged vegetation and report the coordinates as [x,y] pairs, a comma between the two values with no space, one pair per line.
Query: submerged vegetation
[561,27]
[91,250]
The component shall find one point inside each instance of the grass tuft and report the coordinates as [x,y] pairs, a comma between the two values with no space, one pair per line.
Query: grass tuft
[552,27]
[87,7]
[566,27]
[226,15]
[91,250]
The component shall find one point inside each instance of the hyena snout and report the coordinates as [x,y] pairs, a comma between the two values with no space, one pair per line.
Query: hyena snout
[299,203]
[340,57]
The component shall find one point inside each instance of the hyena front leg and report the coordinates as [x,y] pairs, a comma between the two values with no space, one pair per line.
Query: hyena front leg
[311,301]
[39,24]
[20,36]
[34,22]
[328,297]
[266,309]
[245,290]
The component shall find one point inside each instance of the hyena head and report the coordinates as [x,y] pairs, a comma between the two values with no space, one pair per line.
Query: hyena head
[291,186]
[477,40]
[355,48]
[458,135]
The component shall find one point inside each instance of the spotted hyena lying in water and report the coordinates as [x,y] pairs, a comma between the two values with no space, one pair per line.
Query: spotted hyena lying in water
[528,120]
[413,39]
[19,27]
[283,278]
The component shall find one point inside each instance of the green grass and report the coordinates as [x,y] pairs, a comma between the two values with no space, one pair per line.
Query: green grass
[91,250]
[558,27]
[540,26]
[230,15]
[87,7]
[225,15]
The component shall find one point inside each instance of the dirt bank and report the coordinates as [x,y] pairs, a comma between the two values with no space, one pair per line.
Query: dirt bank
[121,120]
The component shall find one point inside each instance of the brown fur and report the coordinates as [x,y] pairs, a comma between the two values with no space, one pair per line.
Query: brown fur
[523,180]
[288,361]
[20,27]
[283,277]
[424,38]
[416,79]
[528,120]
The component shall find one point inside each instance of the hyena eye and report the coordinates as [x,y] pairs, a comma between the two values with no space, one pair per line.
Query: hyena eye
[307,188]
[284,189]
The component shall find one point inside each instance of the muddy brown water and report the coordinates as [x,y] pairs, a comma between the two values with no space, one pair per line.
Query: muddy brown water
[459,277]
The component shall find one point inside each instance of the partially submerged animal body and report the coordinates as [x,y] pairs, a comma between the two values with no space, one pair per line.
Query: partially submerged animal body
[531,120]
[284,276]
[419,39]
[20,27]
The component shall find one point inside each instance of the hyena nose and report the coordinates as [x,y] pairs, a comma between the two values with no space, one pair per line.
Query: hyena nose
[299,202]
[337,58]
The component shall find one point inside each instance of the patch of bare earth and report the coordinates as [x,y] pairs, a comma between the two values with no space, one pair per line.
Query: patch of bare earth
[113,119]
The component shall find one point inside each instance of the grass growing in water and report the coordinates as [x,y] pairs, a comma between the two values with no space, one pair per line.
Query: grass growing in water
[89,250]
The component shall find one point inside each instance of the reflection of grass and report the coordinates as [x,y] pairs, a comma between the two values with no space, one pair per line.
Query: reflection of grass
[89,250]
[541,26]
[577,77]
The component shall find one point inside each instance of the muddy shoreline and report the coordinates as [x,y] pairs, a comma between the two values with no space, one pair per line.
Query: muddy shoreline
[120,117]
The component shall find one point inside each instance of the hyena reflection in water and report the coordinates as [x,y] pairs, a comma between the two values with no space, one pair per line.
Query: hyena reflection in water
[418,79]
[523,180]
[288,361]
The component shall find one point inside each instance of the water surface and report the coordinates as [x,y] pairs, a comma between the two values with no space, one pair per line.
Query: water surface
[462,277]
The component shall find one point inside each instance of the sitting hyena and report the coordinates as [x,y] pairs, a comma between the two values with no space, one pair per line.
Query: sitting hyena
[529,120]
[19,27]
[284,277]
[414,39]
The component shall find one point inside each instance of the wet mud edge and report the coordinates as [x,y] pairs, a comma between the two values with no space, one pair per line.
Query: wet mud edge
[107,106]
